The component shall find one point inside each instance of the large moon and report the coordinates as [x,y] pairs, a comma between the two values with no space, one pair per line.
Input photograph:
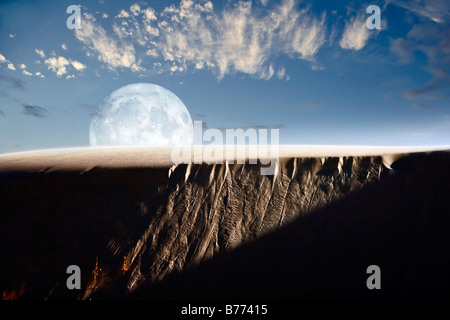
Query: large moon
[141,114]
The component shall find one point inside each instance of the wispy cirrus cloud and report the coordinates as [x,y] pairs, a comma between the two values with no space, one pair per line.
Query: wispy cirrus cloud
[194,36]
[114,53]
[355,33]
[238,39]
[40,53]
[436,10]
[12,82]
[438,87]
[34,111]
[432,39]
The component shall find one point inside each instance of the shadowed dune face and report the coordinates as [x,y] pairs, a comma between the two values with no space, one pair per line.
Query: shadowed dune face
[400,223]
[142,224]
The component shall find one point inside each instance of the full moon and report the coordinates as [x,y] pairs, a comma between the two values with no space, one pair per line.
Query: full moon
[141,114]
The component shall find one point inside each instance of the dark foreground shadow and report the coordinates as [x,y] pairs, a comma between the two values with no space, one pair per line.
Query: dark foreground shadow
[400,223]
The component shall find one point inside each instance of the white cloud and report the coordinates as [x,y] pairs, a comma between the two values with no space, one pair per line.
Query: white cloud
[78,65]
[115,54]
[9,64]
[152,30]
[135,9]
[149,14]
[64,46]
[238,39]
[88,16]
[192,35]
[59,65]
[40,53]
[21,66]
[267,73]
[281,73]
[152,53]
[38,74]
[355,34]
[199,65]
[123,14]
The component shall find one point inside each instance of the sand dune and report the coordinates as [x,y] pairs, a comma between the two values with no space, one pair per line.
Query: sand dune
[120,157]
[143,218]
[400,223]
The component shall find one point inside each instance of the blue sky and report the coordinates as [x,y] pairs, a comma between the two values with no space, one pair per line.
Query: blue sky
[311,68]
